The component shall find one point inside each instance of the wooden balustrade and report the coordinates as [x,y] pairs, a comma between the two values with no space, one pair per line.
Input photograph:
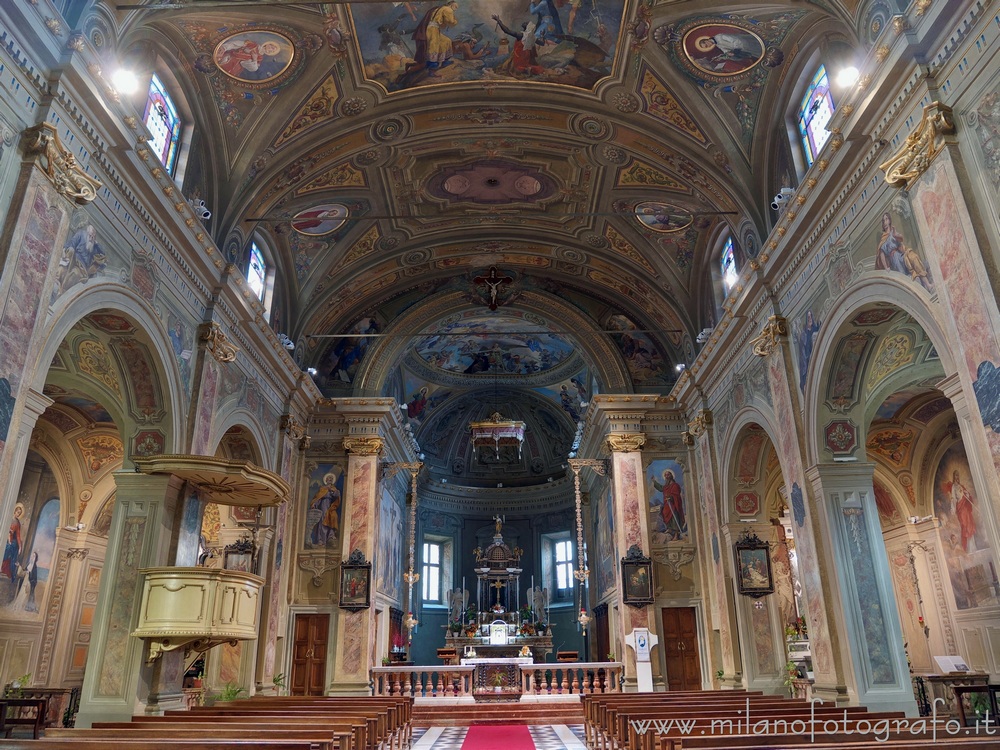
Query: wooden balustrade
[422,682]
[571,678]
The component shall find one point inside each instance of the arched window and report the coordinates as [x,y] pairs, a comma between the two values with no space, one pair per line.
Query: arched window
[163,123]
[814,114]
[257,271]
[728,265]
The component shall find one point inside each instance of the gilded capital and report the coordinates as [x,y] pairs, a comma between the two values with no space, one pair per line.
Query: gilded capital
[364,445]
[920,147]
[599,465]
[625,442]
[216,342]
[292,427]
[688,439]
[774,332]
[700,423]
[58,164]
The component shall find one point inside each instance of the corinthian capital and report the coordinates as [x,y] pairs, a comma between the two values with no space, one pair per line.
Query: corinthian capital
[364,445]
[625,442]
[920,147]
[774,332]
[59,165]
[700,423]
[217,343]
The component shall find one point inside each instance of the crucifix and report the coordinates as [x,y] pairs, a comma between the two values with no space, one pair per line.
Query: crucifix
[493,281]
[498,585]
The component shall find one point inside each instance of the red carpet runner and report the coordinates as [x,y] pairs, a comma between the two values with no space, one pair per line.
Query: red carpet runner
[503,737]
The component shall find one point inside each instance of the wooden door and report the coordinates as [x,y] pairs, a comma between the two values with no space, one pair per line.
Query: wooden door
[680,644]
[600,629]
[309,655]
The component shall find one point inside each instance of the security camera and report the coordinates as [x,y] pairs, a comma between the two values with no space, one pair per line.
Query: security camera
[286,342]
[783,196]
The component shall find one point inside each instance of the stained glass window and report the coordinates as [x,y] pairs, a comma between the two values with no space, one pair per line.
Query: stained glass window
[256,271]
[814,114]
[729,274]
[163,123]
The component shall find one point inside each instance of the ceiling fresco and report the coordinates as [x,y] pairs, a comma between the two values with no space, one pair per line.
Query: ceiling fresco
[413,44]
[530,162]
[483,344]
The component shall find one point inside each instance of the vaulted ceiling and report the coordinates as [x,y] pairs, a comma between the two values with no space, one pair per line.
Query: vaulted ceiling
[597,173]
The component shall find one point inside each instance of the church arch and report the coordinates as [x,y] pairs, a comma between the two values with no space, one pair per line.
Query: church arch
[243,421]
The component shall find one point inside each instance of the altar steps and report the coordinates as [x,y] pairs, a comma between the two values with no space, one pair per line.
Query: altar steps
[467,715]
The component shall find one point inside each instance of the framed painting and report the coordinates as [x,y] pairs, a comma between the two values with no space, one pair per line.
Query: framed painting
[355,583]
[239,556]
[753,567]
[637,578]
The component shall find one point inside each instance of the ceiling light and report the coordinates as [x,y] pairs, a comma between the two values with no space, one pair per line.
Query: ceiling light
[125,81]
[847,76]
[312,371]
[680,366]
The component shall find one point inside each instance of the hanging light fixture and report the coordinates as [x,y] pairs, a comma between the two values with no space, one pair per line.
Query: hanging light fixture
[497,430]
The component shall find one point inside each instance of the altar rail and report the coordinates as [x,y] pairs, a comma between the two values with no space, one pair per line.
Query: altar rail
[422,682]
[576,678]
[572,678]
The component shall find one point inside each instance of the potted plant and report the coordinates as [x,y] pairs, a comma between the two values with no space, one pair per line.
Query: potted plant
[791,674]
[279,682]
[611,656]
[498,682]
[386,661]
[230,692]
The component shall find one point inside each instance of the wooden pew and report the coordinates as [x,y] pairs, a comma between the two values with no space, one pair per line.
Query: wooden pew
[360,738]
[318,739]
[24,712]
[156,744]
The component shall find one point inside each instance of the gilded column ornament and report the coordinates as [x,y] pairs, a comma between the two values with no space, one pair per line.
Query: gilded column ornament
[774,332]
[295,430]
[59,165]
[364,445]
[577,465]
[217,343]
[688,439]
[700,423]
[625,442]
[921,146]
[921,6]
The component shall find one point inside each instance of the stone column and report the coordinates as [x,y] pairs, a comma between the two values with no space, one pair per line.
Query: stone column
[116,682]
[631,531]
[929,165]
[809,517]
[720,590]
[355,630]
[874,633]
[34,232]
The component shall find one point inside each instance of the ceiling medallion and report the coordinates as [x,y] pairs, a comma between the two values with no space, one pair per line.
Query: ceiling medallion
[492,182]
[662,217]
[320,220]
[254,56]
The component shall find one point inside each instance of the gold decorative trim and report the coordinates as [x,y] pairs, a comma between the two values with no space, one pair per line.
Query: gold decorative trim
[688,439]
[702,421]
[774,332]
[216,342]
[59,165]
[364,445]
[625,442]
[921,146]
[219,480]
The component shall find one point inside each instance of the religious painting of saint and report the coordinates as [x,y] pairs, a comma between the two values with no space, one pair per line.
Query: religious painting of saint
[326,485]
[723,49]
[668,517]
[355,585]
[894,254]
[967,549]
[804,332]
[753,567]
[82,259]
[320,220]
[662,217]
[254,56]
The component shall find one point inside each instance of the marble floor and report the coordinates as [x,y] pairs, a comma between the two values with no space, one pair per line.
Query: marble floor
[545,737]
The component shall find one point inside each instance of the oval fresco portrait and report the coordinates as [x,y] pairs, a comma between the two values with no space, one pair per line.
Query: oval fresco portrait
[254,56]
[662,217]
[320,220]
[722,49]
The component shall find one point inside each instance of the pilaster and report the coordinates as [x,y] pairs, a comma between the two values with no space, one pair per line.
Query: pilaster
[874,632]
[117,682]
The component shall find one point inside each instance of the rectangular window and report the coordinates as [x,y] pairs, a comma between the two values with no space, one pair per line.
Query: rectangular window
[430,575]
[564,565]
[163,123]
[256,271]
